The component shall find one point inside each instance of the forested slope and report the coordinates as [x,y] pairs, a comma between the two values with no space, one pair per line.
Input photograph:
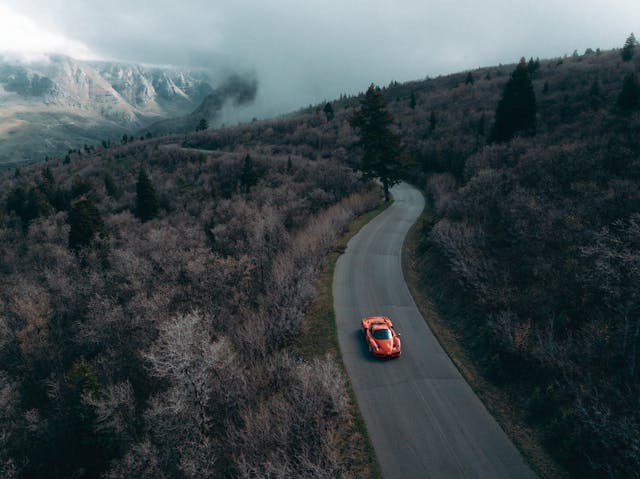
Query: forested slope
[151,292]
[150,299]
[537,241]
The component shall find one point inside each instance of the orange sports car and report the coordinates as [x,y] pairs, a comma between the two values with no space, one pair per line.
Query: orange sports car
[381,337]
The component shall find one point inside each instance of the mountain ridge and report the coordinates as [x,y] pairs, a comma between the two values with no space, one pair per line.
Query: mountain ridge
[58,103]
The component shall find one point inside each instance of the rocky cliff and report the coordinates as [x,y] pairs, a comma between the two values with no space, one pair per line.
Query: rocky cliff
[58,103]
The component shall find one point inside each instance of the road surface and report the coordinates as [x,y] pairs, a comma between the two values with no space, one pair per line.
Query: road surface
[423,418]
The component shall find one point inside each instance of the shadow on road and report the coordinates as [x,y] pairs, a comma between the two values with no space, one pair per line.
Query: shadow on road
[364,349]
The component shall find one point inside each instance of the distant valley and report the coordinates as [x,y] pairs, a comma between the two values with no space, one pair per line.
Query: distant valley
[57,103]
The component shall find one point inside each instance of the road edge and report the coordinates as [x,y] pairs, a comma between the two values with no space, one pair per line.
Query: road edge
[495,400]
[365,464]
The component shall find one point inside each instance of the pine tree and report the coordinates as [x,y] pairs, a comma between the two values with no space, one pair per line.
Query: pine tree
[381,146]
[16,202]
[545,88]
[469,80]
[47,184]
[432,122]
[328,111]
[481,125]
[412,101]
[629,98]
[629,47]
[37,205]
[202,125]
[110,186]
[595,94]
[516,111]
[146,199]
[249,176]
[85,222]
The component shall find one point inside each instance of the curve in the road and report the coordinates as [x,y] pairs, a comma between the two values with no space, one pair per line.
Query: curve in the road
[423,418]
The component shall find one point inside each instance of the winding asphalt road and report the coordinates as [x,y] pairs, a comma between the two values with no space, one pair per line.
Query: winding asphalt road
[423,418]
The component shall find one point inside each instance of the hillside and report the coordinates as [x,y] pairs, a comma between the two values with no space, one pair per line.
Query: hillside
[57,103]
[533,252]
[151,292]
[150,300]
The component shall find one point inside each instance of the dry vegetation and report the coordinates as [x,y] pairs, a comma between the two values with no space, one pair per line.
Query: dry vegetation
[535,247]
[165,347]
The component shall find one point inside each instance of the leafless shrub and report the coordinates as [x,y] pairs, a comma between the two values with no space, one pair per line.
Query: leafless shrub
[442,188]
[313,409]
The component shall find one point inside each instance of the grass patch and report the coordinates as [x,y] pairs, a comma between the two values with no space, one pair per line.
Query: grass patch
[357,450]
[450,320]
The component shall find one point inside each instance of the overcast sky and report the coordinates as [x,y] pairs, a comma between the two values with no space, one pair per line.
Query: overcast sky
[304,51]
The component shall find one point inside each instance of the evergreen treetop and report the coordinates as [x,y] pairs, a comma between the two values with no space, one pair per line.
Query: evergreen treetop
[381,146]
[516,111]
[202,125]
[85,223]
[629,98]
[469,80]
[249,176]
[629,48]
[328,111]
[146,200]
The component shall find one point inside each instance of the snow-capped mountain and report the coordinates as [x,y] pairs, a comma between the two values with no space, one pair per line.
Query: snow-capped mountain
[56,103]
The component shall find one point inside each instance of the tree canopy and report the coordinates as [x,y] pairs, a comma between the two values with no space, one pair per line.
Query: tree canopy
[380,144]
[146,200]
[629,98]
[516,111]
[249,176]
[628,48]
[328,111]
[202,125]
[85,223]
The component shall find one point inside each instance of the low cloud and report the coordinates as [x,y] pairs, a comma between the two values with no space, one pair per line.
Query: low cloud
[24,39]
[235,91]
[306,52]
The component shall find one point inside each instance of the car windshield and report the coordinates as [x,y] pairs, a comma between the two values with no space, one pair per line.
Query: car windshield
[381,333]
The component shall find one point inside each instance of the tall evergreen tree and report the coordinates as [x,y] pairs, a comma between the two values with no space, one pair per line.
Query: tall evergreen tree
[146,199]
[412,101]
[629,98]
[629,48]
[516,111]
[110,186]
[37,203]
[202,125]
[328,111]
[469,80]
[433,121]
[85,222]
[249,176]
[381,146]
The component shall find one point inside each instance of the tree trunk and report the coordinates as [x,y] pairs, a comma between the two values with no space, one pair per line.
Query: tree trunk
[385,186]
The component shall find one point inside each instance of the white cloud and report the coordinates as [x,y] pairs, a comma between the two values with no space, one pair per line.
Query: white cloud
[304,51]
[22,36]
